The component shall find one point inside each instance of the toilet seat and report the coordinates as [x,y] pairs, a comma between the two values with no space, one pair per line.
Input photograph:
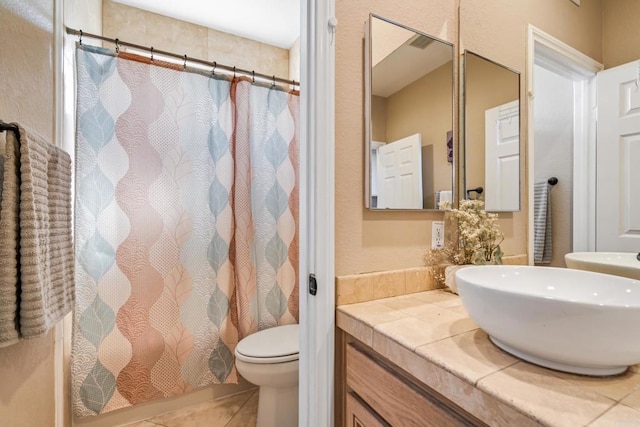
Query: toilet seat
[273,345]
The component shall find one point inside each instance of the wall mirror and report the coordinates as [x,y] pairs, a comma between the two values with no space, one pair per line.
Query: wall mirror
[409,159]
[492,133]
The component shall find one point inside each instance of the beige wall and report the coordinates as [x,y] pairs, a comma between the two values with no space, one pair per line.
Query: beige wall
[172,35]
[26,96]
[497,29]
[621,36]
[425,106]
[374,241]
[486,86]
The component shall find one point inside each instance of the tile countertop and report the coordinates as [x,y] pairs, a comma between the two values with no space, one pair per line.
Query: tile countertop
[430,335]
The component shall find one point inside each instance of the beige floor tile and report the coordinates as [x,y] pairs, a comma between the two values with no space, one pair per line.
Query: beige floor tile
[544,396]
[141,424]
[618,416]
[470,355]
[248,414]
[215,413]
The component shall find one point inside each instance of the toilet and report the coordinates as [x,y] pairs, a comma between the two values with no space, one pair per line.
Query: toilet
[269,359]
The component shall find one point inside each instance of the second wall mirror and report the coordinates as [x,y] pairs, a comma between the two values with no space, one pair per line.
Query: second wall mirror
[408,118]
[492,133]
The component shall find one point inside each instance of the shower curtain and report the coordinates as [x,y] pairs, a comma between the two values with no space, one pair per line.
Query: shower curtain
[186,220]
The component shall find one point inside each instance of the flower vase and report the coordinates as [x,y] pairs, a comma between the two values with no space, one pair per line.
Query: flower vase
[450,276]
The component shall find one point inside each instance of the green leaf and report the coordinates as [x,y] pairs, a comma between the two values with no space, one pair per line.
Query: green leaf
[276,302]
[218,306]
[97,256]
[97,388]
[218,252]
[97,127]
[221,362]
[276,201]
[95,191]
[276,252]
[97,321]
[218,197]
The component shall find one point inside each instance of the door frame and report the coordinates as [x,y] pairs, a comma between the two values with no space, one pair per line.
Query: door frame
[317,222]
[553,54]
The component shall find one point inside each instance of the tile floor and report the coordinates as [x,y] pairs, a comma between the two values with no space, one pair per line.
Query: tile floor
[240,410]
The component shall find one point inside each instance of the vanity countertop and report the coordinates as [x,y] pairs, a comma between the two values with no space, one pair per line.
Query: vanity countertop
[430,335]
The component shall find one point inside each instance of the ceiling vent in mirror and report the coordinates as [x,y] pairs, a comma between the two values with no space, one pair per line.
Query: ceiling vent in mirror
[420,41]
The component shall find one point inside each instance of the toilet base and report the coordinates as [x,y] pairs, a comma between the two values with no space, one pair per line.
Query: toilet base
[278,407]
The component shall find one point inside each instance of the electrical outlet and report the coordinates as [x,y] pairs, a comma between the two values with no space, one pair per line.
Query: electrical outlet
[437,235]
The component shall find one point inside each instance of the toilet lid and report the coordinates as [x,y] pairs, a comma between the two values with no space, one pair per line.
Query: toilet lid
[273,345]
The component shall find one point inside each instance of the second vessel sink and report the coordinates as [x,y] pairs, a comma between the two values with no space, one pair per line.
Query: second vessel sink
[623,264]
[569,320]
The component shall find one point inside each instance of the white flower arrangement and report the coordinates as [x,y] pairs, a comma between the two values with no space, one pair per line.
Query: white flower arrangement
[477,240]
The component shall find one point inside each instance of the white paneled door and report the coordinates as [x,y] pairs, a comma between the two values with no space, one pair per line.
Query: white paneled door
[502,157]
[618,159]
[399,174]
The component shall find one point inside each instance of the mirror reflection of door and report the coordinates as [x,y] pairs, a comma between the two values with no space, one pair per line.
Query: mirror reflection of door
[409,92]
[399,174]
[492,133]
[502,157]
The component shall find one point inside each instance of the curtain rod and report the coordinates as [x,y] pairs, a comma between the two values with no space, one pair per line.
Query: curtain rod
[212,64]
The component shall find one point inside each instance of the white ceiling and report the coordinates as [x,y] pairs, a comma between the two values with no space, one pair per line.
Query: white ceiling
[275,22]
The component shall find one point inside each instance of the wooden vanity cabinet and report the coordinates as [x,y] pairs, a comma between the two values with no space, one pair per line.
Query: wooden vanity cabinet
[377,393]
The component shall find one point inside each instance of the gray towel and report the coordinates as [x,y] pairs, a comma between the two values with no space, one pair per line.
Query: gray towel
[542,237]
[9,229]
[46,247]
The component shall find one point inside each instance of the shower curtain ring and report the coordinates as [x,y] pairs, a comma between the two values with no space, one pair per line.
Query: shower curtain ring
[184,65]
[151,52]
[80,41]
[274,80]
[253,76]
[117,46]
[234,71]
[213,72]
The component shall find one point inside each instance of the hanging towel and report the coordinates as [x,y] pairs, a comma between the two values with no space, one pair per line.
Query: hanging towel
[46,265]
[9,212]
[542,237]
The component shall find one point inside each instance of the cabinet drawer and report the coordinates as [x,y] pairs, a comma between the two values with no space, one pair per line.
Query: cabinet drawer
[395,397]
[359,415]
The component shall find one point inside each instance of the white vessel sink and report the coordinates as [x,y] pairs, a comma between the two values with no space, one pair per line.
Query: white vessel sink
[569,320]
[623,264]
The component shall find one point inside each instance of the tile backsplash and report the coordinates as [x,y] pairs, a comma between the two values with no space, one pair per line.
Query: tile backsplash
[356,288]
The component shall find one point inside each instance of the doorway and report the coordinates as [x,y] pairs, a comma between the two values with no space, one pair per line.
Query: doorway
[562,141]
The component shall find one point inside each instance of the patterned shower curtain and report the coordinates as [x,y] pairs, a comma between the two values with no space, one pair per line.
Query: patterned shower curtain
[185,226]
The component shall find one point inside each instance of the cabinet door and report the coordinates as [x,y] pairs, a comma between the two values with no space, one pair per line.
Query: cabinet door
[359,415]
